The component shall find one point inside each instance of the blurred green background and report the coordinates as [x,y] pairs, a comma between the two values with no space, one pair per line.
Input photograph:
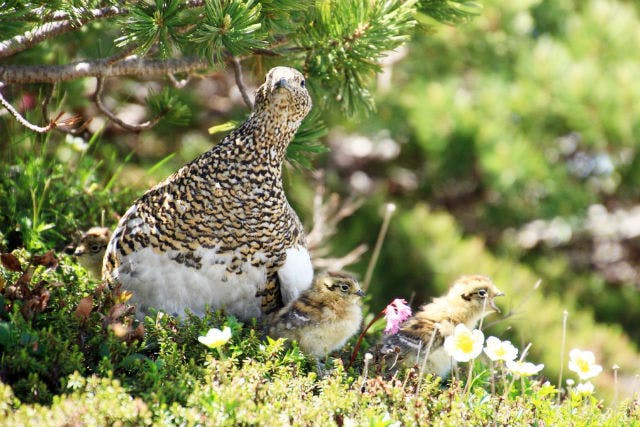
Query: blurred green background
[510,145]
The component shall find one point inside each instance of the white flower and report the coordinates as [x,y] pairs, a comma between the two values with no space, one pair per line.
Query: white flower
[216,337]
[523,369]
[584,388]
[584,364]
[464,344]
[570,382]
[76,142]
[500,350]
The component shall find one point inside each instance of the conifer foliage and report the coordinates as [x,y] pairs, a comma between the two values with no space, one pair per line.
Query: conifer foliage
[337,43]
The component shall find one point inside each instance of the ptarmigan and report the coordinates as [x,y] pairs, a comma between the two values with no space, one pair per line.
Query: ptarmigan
[468,300]
[220,232]
[324,317]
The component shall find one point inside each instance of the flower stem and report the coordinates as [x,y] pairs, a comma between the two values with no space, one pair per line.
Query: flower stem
[361,337]
[493,379]
[565,315]
[390,209]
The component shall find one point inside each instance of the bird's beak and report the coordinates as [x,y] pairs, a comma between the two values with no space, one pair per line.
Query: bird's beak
[282,83]
[492,302]
[360,293]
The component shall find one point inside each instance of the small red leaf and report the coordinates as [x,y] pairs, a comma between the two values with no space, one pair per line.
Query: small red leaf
[49,260]
[10,262]
[117,311]
[84,308]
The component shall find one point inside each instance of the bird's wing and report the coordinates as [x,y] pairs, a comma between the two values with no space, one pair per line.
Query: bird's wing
[271,296]
[294,319]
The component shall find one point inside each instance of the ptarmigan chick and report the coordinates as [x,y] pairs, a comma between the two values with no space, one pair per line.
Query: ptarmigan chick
[467,301]
[91,248]
[324,317]
[220,232]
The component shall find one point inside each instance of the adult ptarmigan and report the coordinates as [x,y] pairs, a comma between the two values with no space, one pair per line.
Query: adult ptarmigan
[219,232]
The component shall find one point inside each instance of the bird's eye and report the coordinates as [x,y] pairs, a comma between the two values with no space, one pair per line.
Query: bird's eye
[344,287]
[302,83]
[482,293]
[95,248]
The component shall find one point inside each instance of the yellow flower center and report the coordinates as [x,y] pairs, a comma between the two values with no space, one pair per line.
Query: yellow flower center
[500,351]
[465,343]
[583,365]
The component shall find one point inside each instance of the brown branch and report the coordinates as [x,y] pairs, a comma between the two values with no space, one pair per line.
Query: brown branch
[52,29]
[237,72]
[97,97]
[132,66]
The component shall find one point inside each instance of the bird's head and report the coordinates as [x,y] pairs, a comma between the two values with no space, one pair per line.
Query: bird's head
[475,292]
[93,243]
[338,285]
[284,95]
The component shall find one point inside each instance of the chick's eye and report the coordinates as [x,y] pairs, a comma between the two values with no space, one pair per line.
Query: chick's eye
[302,83]
[482,293]
[95,248]
[344,287]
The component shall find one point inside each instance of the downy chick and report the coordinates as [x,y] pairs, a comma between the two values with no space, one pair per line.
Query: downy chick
[468,300]
[324,317]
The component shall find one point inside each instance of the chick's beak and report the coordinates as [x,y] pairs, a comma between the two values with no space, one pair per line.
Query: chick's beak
[492,302]
[360,293]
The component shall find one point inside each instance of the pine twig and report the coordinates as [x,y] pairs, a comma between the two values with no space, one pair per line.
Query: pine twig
[237,72]
[97,97]
[131,66]
[52,29]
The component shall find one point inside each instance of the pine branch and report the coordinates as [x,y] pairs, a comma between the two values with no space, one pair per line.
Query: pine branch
[132,66]
[52,29]
[97,97]
[237,71]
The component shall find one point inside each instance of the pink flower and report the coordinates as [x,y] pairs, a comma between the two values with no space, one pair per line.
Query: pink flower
[396,313]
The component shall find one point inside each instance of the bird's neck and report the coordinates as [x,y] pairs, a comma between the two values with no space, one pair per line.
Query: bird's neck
[463,314]
[272,134]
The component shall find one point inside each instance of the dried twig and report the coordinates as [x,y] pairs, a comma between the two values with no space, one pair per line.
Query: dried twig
[237,72]
[97,97]
[178,84]
[335,264]
[326,216]
[53,124]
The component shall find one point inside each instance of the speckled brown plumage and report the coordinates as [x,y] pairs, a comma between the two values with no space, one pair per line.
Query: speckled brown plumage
[324,317]
[220,231]
[467,301]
